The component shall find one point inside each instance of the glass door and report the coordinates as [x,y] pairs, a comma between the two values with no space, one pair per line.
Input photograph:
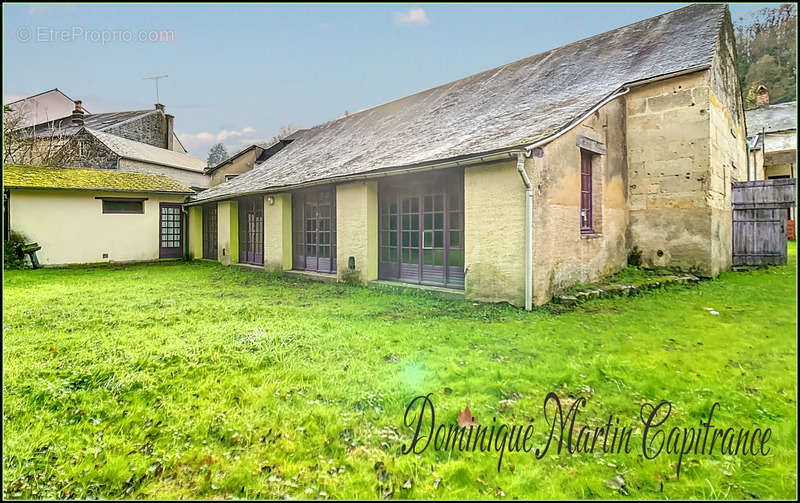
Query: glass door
[210,231]
[314,230]
[251,230]
[421,233]
[170,239]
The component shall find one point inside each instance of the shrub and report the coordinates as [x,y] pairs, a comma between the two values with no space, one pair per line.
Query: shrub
[13,258]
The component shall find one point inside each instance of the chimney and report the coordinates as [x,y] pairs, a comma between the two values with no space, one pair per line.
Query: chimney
[159,106]
[762,95]
[77,114]
[170,131]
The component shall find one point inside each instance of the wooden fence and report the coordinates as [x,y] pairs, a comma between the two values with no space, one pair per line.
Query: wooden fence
[761,209]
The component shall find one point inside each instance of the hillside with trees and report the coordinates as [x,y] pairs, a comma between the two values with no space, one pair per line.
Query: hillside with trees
[766,43]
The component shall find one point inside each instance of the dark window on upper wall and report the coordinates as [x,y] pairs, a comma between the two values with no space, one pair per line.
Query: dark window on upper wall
[123,205]
[586,192]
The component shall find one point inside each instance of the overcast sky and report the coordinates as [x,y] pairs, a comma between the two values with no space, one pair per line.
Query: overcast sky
[239,72]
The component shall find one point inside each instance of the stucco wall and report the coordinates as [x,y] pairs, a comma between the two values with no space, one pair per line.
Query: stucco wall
[195,228]
[278,232]
[183,176]
[72,228]
[241,164]
[562,256]
[494,233]
[228,232]
[357,229]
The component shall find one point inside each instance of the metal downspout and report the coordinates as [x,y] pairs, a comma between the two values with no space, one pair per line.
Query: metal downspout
[528,231]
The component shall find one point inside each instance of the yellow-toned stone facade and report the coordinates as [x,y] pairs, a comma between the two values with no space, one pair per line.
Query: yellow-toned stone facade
[684,149]
[357,231]
[241,164]
[562,255]
[663,156]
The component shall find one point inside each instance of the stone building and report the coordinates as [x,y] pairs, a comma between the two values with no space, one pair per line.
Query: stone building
[246,159]
[73,140]
[772,138]
[514,183]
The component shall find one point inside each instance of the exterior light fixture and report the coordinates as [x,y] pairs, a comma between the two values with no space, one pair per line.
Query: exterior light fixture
[270,200]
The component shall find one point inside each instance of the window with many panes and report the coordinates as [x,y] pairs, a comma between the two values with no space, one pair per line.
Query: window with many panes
[586,192]
[421,230]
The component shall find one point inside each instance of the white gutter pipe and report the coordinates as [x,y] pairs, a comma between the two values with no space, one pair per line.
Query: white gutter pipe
[528,231]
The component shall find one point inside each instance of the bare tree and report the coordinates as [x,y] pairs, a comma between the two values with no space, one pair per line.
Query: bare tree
[22,145]
[283,132]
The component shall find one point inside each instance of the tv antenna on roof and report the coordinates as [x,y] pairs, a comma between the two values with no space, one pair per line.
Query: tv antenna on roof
[155,78]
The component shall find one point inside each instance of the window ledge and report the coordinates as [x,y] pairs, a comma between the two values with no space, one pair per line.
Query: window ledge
[593,235]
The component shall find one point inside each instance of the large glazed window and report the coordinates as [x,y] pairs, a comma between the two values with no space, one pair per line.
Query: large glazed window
[314,230]
[421,229]
[210,231]
[251,230]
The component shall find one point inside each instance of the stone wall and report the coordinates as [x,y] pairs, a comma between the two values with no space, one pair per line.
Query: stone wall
[562,255]
[728,147]
[669,155]
[150,129]
[241,164]
[91,153]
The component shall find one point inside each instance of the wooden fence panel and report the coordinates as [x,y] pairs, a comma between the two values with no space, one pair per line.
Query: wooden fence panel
[759,221]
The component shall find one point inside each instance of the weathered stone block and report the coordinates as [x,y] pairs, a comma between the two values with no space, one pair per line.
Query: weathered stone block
[664,102]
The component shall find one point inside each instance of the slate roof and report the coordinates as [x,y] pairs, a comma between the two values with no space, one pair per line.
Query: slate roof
[37,177]
[139,151]
[772,118]
[501,108]
[64,126]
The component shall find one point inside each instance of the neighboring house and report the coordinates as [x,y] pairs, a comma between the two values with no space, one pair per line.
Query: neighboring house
[139,140]
[772,142]
[246,159]
[102,150]
[514,183]
[42,108]
[89,215]
[772,138]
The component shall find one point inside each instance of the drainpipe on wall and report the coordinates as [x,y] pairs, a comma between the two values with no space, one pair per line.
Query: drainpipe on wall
[528,231]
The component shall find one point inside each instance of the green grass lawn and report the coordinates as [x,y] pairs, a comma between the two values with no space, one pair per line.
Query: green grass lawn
[193,380]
